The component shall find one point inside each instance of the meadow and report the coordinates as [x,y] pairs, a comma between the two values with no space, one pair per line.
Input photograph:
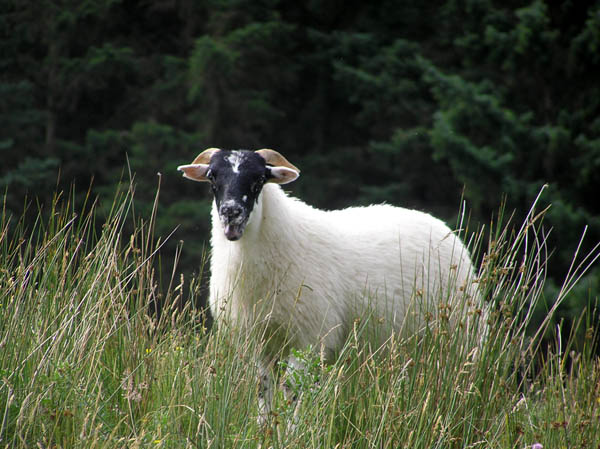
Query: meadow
[85,362]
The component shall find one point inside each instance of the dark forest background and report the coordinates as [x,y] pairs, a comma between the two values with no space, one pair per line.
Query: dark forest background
[412,103]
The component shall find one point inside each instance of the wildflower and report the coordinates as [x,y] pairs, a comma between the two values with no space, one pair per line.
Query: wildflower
[537,446]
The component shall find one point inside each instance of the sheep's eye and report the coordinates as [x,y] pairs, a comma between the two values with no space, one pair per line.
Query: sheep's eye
[255,188]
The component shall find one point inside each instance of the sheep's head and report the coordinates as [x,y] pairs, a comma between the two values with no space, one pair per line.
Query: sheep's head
[237,178]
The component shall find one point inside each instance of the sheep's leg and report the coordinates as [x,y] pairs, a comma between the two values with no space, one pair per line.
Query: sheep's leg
[265,392]
[292,385]
[291,388]
[294,371]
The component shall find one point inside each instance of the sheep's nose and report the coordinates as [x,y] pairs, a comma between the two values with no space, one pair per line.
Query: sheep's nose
[231,211]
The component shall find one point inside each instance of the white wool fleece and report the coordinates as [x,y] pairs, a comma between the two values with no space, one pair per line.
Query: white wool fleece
[308,274]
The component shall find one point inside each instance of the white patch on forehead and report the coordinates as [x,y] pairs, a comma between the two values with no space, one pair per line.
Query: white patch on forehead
[245,198]
[235,159]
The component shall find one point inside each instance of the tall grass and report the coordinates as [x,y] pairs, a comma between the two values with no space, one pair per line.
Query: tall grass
[84,362]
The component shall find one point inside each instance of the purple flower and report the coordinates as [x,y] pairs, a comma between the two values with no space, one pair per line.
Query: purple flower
[537,446]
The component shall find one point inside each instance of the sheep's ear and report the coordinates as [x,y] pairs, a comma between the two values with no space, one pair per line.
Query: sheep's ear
[282,175]
[204,157]
[275,159]
[195,172]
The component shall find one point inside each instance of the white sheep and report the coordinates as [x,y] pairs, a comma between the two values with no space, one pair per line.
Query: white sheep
[308,274]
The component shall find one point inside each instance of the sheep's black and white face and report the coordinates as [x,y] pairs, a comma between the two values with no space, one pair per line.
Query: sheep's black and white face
[237,178]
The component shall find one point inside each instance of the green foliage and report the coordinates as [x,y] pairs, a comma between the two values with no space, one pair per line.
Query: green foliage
[36,173]
[209,59]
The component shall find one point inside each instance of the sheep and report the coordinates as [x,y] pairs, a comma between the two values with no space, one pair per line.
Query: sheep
[307,274]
